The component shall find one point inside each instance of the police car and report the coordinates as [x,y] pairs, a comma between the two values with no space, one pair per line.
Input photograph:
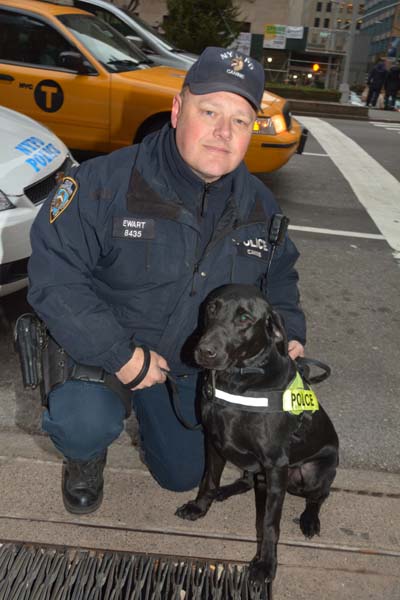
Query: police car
[31,160]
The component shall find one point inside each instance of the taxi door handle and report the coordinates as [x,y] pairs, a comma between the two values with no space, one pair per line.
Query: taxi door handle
[6,77]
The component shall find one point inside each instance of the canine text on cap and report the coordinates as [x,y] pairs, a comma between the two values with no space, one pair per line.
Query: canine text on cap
[224,70]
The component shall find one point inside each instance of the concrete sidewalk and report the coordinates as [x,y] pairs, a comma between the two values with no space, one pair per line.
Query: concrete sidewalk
[357,556]
[389,116]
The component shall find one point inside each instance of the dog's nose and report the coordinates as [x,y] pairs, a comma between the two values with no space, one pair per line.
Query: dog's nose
[207,352]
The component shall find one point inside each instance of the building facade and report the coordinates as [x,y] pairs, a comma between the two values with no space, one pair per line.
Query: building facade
[254,12]
[291,36]
[381,23]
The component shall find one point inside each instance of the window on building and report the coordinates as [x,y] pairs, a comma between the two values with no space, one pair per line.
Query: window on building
[316,22]
[326,23]
[329,7]
[319,6]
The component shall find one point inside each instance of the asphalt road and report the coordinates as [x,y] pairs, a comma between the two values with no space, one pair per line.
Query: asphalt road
[350,287]
[381,140]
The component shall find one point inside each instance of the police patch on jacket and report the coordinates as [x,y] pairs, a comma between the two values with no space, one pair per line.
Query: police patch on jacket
[257,247]
[62,197]
[133,228]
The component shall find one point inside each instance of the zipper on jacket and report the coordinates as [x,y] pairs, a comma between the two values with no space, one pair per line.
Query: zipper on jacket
[195,271]
[203,212]
[204,200]
[147,255]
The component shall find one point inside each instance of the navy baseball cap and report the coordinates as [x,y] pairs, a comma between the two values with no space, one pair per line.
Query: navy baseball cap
[224,70]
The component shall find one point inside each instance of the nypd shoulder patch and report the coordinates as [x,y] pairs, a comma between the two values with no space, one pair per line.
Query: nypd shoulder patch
[62,197]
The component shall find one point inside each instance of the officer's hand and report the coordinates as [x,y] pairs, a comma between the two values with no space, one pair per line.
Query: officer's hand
[132,368]
[295,349]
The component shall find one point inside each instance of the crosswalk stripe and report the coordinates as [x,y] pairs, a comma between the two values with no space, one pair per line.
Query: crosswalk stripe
[375,188]
[323,230]
[387,125]
[313,154]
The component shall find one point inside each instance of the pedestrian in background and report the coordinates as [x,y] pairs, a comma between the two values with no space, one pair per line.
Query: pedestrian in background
[392,86]
[376,80]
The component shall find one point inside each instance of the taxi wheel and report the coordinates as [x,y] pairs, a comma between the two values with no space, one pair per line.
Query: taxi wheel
[150,126]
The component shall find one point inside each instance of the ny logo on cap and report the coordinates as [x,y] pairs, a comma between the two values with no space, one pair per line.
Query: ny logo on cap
[237,63]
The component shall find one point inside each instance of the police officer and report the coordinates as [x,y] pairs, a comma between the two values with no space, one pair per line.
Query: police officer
[123,255]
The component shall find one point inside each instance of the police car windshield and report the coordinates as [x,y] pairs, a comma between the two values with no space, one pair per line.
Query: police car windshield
[104,42]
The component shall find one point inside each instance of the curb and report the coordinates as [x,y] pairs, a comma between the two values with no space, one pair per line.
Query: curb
[329,109]
[335,110]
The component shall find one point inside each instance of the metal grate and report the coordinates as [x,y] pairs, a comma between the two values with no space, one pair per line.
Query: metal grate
[30,572]
[40,190]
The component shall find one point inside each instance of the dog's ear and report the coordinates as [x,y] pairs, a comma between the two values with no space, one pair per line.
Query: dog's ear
[276,329]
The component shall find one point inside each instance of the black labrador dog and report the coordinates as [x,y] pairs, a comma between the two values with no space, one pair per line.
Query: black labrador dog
[243,350]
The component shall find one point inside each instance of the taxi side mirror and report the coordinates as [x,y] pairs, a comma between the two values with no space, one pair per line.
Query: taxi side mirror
[74,61]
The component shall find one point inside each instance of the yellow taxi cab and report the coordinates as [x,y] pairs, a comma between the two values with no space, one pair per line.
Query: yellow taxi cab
[98,92]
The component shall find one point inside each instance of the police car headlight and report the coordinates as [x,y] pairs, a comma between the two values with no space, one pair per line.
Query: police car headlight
[269,125]
[5,204]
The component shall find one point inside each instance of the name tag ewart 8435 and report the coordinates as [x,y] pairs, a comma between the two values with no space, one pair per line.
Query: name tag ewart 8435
[133,228]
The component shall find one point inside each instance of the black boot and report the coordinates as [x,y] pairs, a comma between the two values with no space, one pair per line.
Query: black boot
[82,484]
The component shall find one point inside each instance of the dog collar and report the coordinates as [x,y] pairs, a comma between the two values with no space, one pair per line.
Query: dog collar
[295,399]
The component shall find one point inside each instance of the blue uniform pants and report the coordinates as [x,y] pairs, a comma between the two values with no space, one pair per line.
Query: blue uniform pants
[84,418]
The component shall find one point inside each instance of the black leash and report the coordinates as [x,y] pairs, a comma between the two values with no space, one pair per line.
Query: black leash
[304,364]
[176,405]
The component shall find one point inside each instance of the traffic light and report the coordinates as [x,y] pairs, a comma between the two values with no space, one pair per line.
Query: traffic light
[315,67]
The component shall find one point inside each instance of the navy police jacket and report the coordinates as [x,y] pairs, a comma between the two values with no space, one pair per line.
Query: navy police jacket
[131,243]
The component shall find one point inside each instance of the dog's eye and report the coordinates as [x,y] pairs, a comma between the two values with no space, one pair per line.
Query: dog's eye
[245,317]
[212,308]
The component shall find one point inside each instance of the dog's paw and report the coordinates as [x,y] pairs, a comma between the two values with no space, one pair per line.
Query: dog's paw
[191,511]
[261,572]
[310,524]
